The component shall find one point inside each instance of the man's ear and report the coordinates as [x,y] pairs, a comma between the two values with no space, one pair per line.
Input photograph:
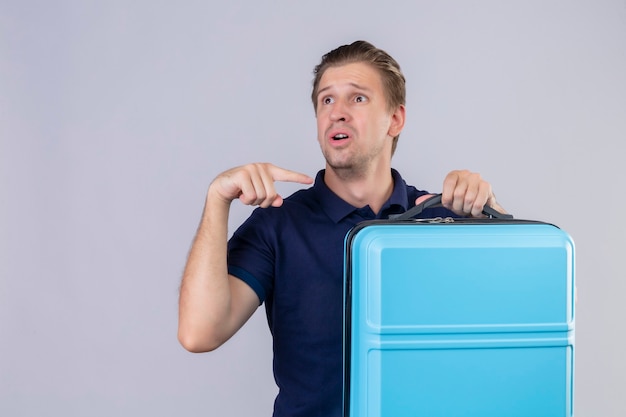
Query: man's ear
[397,121]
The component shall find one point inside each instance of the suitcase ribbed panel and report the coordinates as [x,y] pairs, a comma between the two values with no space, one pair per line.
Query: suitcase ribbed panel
[459,320]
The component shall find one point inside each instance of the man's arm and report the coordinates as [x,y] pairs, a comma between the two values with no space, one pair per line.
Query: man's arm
[213,305]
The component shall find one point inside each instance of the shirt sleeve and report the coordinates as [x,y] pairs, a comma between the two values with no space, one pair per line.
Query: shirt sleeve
[251,253]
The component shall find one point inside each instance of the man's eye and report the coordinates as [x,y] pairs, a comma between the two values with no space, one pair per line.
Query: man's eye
[327,100]
[360,99]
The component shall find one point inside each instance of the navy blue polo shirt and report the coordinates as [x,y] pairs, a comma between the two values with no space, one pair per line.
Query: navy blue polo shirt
[292,257]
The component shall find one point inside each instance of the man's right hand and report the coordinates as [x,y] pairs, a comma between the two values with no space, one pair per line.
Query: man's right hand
[253,184]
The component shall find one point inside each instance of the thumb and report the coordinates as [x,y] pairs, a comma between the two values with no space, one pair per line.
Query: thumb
[423,198]
[278,201]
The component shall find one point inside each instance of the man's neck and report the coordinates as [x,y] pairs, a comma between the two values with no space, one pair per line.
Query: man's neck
[372,188]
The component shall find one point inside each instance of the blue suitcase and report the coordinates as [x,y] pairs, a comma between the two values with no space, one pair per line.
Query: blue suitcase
[458,317]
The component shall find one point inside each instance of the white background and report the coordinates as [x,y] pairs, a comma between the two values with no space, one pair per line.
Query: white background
[115,116]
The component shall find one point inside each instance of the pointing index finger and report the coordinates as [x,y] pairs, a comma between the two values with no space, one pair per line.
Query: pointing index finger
[286,175]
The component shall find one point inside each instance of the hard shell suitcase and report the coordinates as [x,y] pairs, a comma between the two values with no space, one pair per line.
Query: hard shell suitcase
[458,317]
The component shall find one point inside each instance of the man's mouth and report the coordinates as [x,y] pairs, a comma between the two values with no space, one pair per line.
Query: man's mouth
[340,136]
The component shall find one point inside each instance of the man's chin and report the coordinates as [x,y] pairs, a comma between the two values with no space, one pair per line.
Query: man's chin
[336,165]
[346,170]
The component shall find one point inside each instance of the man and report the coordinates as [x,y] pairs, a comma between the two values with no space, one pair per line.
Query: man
[289,253]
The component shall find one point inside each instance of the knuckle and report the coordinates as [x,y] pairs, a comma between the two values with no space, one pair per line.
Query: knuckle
[459,193]
[248,199]
[261,166]
[260,196]
[271,195]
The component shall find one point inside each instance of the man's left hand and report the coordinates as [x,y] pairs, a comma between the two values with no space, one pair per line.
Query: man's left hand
[466,193]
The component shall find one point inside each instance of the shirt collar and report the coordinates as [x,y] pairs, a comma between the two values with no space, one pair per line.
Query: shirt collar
[337,209]
[399,196]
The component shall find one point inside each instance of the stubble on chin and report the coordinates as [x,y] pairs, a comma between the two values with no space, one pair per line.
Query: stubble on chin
[349,169]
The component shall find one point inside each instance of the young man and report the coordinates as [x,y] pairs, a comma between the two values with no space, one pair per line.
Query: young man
[289,253]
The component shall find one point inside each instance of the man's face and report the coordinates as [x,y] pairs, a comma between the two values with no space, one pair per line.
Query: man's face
[354,125]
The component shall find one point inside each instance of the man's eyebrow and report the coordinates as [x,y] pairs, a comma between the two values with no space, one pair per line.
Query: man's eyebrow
[355,85]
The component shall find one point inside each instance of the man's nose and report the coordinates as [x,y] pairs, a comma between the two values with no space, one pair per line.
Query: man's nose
[339,112]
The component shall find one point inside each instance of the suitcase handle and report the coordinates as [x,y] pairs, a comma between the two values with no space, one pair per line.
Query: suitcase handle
[435,200]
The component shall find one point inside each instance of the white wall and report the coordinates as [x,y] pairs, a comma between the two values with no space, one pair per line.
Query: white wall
[115,116]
